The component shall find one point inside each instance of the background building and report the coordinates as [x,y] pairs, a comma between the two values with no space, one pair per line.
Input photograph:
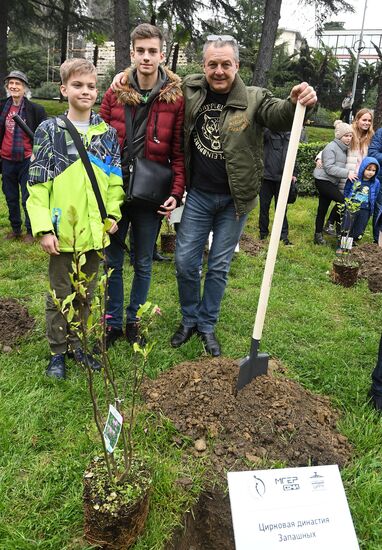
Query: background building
[343,40]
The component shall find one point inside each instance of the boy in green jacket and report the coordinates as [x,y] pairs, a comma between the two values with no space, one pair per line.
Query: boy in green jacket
[58,182]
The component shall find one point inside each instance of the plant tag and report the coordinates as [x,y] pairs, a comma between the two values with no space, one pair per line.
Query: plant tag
[112,429]
[176,215]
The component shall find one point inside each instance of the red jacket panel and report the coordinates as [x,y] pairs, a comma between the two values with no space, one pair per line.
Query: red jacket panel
[164,131]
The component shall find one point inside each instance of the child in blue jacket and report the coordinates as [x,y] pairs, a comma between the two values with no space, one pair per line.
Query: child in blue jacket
[363,191]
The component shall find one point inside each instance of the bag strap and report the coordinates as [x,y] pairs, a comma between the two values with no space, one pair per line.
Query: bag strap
[89,169]
[129,132]
[86,162]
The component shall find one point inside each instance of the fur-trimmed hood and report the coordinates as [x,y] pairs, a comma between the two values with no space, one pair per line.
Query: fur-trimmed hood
[169,93]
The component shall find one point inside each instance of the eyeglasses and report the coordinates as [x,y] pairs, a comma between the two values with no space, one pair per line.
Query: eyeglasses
[222,37]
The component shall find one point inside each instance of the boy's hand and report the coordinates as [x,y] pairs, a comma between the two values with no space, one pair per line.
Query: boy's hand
[112,226]
[118,82]
[49,243]
[167,206]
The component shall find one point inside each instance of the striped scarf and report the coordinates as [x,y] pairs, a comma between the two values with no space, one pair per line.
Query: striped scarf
[18,143]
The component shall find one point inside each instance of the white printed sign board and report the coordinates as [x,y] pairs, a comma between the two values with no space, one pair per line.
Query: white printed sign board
[291,508]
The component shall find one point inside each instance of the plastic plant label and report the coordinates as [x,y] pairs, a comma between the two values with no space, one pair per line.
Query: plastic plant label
[112,429]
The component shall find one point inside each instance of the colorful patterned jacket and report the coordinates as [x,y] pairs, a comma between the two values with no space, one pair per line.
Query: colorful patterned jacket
[59,181]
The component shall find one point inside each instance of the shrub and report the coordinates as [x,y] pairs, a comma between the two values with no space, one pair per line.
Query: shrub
[324,117]
[305,160]
[190,68]
[47,90]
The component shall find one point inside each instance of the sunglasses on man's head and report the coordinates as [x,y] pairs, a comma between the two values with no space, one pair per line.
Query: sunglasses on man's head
[222,37]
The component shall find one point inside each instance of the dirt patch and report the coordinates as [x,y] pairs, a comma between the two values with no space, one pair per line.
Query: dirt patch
[370,259]
[15,322]
[208,526]
[250,245]
[272,418]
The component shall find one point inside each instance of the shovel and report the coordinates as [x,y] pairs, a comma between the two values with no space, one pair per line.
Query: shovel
[256,363]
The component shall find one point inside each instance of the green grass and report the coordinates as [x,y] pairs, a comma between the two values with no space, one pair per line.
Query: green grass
[319,134]
[326,336]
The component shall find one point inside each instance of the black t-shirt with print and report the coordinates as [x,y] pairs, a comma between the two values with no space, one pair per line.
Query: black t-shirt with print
[208,163]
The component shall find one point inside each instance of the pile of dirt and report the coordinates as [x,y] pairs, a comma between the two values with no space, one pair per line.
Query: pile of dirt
[250,245]
[271,418]
[15,322]
[370,259]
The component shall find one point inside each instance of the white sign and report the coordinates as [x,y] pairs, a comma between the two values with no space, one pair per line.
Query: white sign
[291,508]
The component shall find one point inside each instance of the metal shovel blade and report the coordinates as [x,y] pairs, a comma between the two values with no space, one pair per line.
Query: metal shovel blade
[255,364]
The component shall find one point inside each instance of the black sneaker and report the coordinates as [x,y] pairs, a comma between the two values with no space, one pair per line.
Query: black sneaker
[319,239]
[79,356]
[56,367]
[375,400]
[132,334]
[330,229]
[112,334]
[287,242]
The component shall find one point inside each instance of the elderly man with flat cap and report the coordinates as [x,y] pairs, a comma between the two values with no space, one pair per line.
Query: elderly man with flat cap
[16,149]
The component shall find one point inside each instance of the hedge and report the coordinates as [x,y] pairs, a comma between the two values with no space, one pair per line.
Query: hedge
[307,152]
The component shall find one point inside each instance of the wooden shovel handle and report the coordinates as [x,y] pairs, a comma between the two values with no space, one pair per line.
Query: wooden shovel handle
[290,160]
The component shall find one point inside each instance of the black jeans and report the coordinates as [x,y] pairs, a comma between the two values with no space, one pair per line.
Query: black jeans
[327,192]
[270,189]
[15,177]
[376,386]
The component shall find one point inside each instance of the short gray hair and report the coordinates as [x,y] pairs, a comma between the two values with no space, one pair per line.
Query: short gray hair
[219,41]
[27,90]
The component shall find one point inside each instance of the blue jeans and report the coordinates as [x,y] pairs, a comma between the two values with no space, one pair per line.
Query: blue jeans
[205,212]
[376,386]
[377,210]
[15,174]
[144,224]
[357,222]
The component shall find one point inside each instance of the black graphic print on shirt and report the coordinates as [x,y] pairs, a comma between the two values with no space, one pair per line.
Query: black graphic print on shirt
[208,162]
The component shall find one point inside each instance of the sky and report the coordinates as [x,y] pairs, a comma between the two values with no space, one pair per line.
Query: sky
[297,16]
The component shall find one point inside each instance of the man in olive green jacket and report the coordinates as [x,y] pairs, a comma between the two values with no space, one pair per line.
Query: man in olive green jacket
[224,122]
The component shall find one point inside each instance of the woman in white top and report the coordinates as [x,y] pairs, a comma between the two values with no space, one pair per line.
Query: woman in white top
[362,134]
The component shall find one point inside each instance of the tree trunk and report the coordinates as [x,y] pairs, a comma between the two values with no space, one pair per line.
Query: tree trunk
[378,105]
[267,42]
[4,9]
[64,31]
[121,34]
[175,57]
[95,55]
[64,36]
